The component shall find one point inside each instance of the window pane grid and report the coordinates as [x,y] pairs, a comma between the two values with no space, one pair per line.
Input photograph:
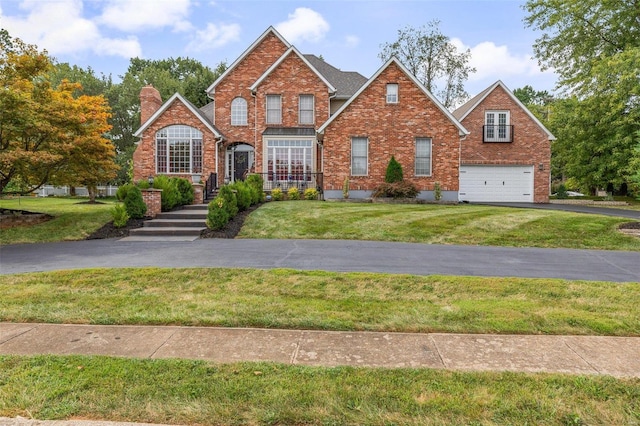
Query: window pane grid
[359,156]
[289,159]
[392,93]
[238,112]
[274,109]
[423,156]
[179,150]
[306,115]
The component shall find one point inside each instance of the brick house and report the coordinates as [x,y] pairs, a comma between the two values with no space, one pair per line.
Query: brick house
[507,155]
[301,122]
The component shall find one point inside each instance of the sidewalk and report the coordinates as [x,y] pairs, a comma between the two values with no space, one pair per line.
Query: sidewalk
[615,356]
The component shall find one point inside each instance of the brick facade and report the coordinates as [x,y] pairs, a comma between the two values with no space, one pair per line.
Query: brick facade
[391,130]
[144,158]
[530,145]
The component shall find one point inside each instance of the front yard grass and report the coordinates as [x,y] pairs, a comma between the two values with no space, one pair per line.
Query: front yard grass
[197,392]
[320,300]
[74,219]
[437,224]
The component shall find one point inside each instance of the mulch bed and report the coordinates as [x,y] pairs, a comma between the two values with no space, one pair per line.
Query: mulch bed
[630,225]
[231,230]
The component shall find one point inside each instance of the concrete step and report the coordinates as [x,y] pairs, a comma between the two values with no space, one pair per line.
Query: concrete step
[195,207]
[180,223]
[167,231]
[183,214]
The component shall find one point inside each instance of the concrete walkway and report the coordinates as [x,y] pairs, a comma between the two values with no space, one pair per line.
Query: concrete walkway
[615,356]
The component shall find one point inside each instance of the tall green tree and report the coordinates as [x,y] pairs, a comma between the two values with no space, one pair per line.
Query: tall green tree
[186,76]
[594,46]
[434,60]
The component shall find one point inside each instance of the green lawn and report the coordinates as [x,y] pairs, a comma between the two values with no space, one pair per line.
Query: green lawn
[74,219]
[196,392]
[321,300]
[437,224]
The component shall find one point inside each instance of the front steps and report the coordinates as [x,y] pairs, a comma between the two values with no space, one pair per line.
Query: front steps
[178,225]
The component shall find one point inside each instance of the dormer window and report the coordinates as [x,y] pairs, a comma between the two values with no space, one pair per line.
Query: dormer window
[497,127]
[392,93]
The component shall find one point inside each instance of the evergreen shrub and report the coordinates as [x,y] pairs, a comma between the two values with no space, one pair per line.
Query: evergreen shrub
[394,171]
[134,204]
[217,213]
[119,215]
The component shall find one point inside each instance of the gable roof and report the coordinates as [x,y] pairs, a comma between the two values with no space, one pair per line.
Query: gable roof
[277,63]
[195,110]
[346,83]
[270,30]
[393,60]
[469,106]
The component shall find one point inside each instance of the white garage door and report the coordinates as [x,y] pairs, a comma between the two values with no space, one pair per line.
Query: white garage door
[496,183]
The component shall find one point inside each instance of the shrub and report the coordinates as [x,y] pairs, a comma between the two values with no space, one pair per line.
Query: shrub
[257,183]
[243,194]
[134,204]
[143,184]
[122,191]
[561,193]
[310,194]
[185,189]
[170,197]
[217,213]
[293,193]
[396,190]
[119,215]
[437,191]
[345,189]
[230,200]
[276,194]
[394,171]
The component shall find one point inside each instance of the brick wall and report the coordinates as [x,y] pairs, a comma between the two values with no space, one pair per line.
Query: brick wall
[530,145]
[153,199]
[391,130]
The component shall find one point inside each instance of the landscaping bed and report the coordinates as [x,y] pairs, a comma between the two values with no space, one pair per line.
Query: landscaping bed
[10,218]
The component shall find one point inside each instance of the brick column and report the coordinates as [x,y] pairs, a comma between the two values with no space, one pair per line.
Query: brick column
[198,193]
[153,199]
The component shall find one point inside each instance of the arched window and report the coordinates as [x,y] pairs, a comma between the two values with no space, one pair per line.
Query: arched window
[238,112]
[179,150]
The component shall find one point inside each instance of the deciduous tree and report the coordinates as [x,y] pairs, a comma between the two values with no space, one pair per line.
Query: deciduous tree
[434,60]
[47,135]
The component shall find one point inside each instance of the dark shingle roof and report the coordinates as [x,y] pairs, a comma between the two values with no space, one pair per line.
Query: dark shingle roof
[462,110]
[346,83]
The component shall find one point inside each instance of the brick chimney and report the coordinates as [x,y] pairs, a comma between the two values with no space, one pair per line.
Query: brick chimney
[150,102]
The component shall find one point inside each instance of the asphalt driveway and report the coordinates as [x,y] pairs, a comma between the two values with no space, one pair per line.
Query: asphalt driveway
[575,208]
[331,255]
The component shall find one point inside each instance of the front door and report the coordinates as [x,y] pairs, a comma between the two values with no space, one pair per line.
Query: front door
[240,165]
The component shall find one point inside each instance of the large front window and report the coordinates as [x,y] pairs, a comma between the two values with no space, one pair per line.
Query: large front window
[179,150]
[289,159]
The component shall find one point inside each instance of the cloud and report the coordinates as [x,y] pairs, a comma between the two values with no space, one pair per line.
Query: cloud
[214,36]
[60,28]
[304,24]
[141,15]
[491,60]
[352,41]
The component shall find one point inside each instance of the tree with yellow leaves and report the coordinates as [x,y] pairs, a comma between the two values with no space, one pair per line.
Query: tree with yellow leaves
[47,135]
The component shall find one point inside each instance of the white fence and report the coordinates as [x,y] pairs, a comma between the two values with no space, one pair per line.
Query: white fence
[81,191]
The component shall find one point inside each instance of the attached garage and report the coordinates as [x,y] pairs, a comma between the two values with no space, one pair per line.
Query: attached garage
[488,183]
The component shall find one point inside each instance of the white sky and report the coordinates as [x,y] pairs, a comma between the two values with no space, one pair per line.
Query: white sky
[105,34]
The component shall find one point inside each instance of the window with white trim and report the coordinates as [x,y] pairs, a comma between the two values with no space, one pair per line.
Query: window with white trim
[274,109]
[179,150]
[359,156]
[423,156]
[497,126]
[289,159]
[392,93]
[239,112]
[306,109]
